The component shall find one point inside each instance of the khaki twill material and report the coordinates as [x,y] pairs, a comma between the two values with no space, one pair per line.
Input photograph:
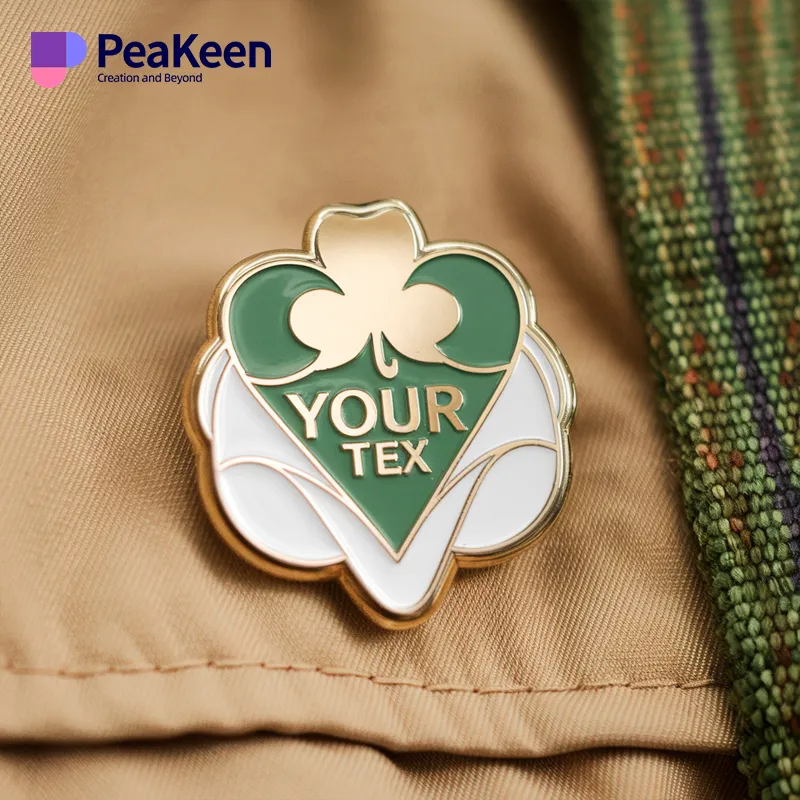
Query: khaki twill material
[285,769]
[123,614]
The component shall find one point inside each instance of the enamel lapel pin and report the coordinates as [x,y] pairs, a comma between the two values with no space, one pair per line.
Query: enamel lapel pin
[378,409]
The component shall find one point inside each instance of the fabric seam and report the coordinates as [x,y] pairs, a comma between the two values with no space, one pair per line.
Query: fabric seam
[340,672]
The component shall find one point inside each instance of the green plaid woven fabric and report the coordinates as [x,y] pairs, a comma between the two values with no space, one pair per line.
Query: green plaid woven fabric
[699,104]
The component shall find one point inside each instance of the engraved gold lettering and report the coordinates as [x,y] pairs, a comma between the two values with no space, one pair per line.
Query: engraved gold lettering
[308,415]
[415,456]
[356,449]
[383,457]
[370,413]
[435,408]
[387,407]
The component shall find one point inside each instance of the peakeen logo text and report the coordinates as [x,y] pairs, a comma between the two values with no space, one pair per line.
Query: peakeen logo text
[53,53]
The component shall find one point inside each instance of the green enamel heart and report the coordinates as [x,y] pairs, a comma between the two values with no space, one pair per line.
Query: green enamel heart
[486,336]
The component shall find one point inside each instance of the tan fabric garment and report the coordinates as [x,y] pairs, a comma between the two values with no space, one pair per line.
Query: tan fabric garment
[285,769]
[123,614]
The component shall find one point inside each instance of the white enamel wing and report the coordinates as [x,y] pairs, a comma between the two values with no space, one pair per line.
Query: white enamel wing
[502,492]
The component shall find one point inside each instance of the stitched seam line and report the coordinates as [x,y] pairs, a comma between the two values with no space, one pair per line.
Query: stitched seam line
[339,672]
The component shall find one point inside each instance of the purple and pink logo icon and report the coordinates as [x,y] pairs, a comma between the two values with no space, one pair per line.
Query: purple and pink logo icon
[53,53]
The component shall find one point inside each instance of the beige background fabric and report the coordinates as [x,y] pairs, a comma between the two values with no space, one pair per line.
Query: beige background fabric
[257,767]
[122,613]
